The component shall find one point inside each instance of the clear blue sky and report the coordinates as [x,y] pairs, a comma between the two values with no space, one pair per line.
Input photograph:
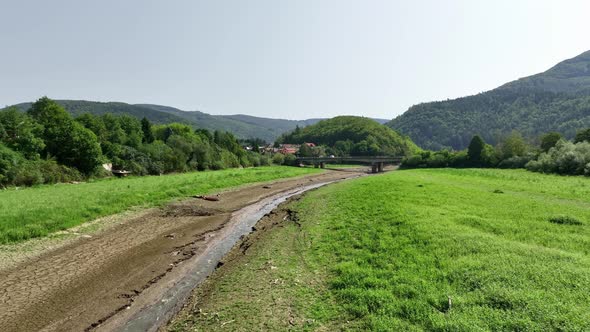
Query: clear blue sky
[275,58]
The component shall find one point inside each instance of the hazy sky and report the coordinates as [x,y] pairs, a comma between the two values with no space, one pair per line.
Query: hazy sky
[284,59]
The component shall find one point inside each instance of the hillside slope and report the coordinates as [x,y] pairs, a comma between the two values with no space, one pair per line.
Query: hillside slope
[353,135]
[243,126]
[555,100]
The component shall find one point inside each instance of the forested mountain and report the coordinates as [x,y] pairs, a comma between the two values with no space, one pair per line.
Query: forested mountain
[352,135]
[79,107]
[243,126]
[555,100]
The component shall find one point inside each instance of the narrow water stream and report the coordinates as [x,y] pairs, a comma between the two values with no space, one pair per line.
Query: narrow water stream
[154,316]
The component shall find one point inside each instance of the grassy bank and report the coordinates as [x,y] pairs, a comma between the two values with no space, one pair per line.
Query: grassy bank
[34,212]
[437,250]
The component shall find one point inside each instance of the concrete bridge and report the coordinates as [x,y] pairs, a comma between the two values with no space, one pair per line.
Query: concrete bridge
[377,163]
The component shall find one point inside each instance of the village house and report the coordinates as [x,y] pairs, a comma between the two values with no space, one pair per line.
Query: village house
[292,148]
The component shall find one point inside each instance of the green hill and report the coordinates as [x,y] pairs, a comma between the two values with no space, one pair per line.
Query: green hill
[79,107]
[243,126]
[353,135]
[555,100]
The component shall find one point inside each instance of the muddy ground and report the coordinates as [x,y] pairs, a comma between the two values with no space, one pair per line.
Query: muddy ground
[89,282]
[190,317]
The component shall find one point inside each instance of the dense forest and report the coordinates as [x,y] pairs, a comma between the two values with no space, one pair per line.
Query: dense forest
[351,135]
[46,144]
[557,100]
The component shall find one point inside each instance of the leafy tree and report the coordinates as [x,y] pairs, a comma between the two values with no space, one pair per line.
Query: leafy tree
[512,145]
[582,136]
[95,124]
[116,134]
[146,128]
[549,140]
[204,134]
[475,149]
[278,159]
[133,130]
[70,142]
[305,150]
[9,163]
[20,133]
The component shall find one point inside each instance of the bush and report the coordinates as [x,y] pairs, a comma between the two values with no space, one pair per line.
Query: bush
[9,163]
[253,159]
[52,172]
[515,162]
[265,160]
[217,165]
[28,174]
[229,160]
[565,158]
[290,160]
[278,159]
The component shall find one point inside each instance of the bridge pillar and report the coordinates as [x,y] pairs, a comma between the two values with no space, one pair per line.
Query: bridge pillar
[322,165]
[374,168]
[380,167]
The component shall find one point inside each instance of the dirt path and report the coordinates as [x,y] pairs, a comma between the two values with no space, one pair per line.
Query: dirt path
[89,282]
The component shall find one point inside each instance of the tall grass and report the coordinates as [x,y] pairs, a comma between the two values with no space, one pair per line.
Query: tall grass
[35,212]
[417,250]
[453,250]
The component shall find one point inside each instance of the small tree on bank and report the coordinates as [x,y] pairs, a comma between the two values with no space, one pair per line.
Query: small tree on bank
[475,149]
[549,140]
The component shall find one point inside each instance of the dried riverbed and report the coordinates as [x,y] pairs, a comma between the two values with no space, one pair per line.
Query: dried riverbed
[144,266]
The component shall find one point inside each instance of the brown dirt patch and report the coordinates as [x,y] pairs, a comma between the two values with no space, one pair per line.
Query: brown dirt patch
[186,210]
[81,283]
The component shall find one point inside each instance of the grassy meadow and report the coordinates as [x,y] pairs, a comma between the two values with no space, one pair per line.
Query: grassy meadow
[417,250]
[34,212]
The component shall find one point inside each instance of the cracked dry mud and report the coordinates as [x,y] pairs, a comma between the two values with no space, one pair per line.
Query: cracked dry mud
[85,283]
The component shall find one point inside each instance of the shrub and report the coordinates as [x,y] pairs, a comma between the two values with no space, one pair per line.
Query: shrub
[515,162]
[265,160]
[278,159]
[254,159]
[565,158]
[52,172]
[217,165]
[290,160]
[28,174]
[9,163]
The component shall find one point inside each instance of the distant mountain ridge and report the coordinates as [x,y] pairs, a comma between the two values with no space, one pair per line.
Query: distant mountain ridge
[243,126]
[555,100]
[570,76]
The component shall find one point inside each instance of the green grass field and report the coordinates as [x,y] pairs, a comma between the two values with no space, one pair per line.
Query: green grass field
[415,250]
[34,212]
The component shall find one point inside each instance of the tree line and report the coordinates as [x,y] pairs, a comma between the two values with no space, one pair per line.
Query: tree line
[46,144]
[552,154]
